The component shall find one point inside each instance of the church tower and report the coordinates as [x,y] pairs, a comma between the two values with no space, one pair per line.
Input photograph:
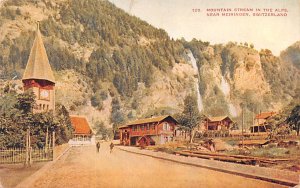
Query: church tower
[38,76]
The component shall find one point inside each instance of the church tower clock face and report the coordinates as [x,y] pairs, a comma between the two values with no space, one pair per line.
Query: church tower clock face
[44,94]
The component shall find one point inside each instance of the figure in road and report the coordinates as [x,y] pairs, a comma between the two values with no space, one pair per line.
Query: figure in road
[98,146]
[111,147]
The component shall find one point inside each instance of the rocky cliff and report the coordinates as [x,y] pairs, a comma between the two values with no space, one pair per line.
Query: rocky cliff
[111,66]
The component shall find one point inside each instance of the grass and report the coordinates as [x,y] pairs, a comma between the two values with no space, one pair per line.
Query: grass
[270,152]
[170,147]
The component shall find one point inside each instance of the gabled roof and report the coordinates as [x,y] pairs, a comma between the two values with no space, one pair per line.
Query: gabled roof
[218,118]
[38,66]
[265,115]
[80,125]
[148,120]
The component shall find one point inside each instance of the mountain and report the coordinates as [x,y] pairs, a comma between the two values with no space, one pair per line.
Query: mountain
[113,67]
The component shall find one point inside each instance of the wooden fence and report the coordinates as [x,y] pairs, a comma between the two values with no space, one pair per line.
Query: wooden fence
[18,155]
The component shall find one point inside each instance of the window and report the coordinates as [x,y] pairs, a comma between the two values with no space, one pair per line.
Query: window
[166,127]
[142,127]
[153,126]
[148,126]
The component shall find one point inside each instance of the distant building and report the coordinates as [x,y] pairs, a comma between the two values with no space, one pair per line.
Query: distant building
[150,131]
[83,134]
[217,123]
[260,122]
[38,76]
[263,117]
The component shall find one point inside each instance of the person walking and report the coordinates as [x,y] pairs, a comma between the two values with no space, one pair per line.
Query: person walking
[111,147]
[98,146]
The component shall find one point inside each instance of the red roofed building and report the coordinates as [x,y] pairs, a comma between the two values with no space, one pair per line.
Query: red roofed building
[260,122]
[83,134]
[263,116]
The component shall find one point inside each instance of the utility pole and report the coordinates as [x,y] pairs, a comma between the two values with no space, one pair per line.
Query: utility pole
[258,126]
[253,114]
[243,127]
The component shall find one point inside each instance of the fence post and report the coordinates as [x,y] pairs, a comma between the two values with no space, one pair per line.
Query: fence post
[27,148]
[46,145]
[53,144]
[13,155]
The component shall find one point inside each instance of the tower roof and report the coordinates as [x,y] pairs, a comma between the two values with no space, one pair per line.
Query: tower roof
[38,66]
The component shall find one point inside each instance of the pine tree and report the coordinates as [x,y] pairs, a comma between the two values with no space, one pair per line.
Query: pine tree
[190,117]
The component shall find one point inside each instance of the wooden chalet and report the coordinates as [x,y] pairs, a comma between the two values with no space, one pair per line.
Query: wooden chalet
[82,131]
[260,122]
[217,123]
[150,131]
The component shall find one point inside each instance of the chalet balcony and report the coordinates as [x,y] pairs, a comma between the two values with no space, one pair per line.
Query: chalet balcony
[142,132]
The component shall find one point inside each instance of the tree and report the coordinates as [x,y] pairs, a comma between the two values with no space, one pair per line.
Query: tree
[190,117]
[294,119]
[16,116]
[117,116]
[64,130]
[102,130]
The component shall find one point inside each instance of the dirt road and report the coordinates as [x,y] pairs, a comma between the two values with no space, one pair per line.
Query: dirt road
[83,167]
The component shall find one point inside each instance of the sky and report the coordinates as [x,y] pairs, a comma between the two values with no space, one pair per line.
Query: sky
[179,20]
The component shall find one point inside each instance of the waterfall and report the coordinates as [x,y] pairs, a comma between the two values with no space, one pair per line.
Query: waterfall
[197,81]
[232,110]
[225,88]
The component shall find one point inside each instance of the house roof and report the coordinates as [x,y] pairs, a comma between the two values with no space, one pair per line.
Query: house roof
[264,115]
[218,118]
[148,120]
[38,66]
[80,125]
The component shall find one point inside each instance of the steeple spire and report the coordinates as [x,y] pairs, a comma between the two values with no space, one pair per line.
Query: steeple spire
[38,66]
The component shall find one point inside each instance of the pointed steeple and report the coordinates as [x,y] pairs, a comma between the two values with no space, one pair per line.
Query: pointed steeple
[38,66]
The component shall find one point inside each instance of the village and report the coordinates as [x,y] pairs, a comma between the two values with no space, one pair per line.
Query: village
[216,144]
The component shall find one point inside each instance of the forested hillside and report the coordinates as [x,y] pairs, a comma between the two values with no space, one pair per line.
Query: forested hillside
[114,67]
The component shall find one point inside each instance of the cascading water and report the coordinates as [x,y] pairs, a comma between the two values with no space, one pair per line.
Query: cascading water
[197,82]
[232,110]
[225,87]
